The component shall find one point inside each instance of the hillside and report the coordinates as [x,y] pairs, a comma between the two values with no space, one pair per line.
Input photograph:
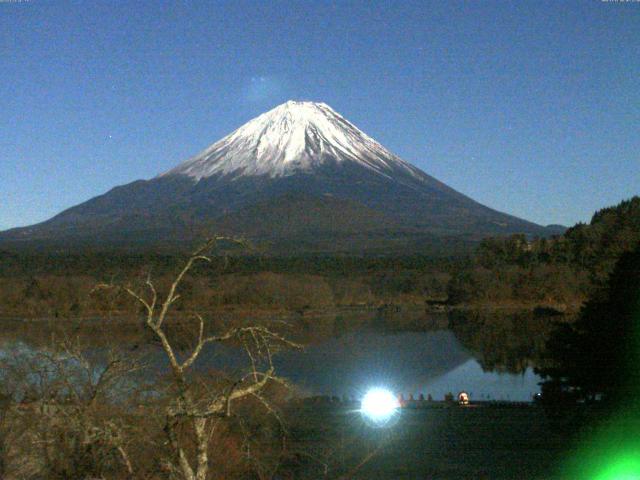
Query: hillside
[561,270]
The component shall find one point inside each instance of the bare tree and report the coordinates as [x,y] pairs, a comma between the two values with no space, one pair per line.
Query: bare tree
[77,398]
[74,410]
[60,412]
[191,406]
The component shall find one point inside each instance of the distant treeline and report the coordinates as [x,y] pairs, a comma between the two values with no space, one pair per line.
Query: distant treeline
[505,271]
[15,263]
[559,270]
[59,285]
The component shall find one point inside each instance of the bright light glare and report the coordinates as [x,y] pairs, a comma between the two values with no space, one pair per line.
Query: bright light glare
[379,404]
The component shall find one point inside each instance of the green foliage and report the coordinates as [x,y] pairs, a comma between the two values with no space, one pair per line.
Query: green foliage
[562,269]
[600,352]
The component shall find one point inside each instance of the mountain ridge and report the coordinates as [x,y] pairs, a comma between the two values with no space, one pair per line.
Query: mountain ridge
[300,150]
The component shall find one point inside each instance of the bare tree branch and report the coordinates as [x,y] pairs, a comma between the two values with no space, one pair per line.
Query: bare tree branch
[259,342]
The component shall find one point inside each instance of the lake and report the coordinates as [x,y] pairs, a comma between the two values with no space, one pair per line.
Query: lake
[490,358]
[415,363]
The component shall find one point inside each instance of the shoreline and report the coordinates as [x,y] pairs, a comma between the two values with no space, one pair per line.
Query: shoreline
[246,313]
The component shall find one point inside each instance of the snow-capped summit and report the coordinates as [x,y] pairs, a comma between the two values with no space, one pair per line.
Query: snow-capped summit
[298,178]
[292,137]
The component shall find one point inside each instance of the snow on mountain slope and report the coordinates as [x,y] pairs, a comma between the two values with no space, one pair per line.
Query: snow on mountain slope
[299,174]
[293,137]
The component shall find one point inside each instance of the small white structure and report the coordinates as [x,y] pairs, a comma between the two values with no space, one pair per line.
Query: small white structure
[463,398]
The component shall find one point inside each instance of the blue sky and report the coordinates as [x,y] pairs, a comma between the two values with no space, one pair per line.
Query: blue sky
[532,108]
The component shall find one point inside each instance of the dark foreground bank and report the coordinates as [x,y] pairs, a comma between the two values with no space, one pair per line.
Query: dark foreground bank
[498,441]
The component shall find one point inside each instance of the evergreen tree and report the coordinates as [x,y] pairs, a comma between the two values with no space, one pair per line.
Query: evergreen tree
[599,354]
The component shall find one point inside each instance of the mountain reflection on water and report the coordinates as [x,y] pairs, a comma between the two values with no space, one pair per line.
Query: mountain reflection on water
[489,355]
[429,363]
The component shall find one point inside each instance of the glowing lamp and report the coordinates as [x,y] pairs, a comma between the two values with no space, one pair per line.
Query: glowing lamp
[379,405]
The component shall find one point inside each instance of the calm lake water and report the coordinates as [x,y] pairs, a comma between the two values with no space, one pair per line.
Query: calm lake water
[432,362]
[415,363]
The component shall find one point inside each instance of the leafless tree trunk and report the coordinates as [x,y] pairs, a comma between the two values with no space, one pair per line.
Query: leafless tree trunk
[260,344]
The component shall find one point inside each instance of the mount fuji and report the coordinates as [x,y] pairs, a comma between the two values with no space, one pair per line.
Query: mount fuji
[299,177]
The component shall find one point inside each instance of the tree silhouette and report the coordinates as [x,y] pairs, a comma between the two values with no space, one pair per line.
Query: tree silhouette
[599,354]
